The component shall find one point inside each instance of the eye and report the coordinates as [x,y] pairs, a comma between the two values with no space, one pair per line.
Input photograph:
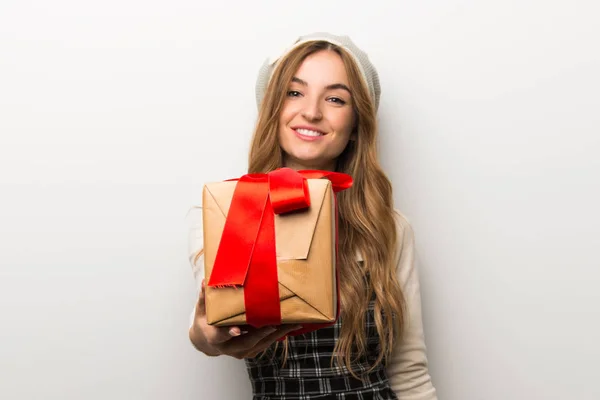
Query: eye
[336,100]
[293,93]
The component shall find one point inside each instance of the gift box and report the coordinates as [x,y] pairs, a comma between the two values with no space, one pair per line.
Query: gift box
[270,248]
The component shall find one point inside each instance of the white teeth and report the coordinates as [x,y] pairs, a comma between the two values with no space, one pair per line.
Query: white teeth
[308,132]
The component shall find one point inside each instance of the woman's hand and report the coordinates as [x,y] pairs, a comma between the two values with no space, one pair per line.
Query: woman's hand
[231,340]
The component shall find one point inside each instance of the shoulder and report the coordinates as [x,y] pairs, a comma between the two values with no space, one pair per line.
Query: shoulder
[404,229]
[402,221]
[405,248]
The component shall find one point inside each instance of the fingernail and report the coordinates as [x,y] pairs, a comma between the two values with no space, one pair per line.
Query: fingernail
[234,332]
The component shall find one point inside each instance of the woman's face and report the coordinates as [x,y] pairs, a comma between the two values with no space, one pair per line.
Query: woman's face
[317,117]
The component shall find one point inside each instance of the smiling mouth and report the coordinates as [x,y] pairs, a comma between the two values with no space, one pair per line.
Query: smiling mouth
[309,132]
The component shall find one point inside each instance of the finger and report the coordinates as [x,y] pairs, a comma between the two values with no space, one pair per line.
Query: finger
[262,338]
[222,335]
[201,306]
[234,331]
[243,343]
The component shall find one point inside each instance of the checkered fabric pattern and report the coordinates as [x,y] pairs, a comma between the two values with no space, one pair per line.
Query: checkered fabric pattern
[308,373]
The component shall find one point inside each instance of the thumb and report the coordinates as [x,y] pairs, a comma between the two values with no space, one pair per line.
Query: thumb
[201,306]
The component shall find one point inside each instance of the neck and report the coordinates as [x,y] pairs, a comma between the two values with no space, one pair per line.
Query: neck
[303,165]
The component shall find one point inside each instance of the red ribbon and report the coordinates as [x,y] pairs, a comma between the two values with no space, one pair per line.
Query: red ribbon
[246,255]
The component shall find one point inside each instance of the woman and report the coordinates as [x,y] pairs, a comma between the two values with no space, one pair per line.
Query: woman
[317,110]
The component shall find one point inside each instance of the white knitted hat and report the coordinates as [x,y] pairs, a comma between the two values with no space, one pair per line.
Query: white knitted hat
[367,69]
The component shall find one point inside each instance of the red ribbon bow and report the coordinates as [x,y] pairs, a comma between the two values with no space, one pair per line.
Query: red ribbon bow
[246,255]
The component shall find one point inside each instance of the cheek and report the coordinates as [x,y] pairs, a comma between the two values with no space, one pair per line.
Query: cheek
[287,113]
[345,122]
[284,119]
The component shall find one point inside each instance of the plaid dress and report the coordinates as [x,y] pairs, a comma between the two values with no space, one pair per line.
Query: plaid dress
[308,374]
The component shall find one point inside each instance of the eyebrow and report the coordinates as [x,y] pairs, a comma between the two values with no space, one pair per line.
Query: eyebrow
[328,87]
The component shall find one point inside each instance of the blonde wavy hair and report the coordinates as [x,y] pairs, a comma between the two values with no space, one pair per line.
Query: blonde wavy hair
[366,211]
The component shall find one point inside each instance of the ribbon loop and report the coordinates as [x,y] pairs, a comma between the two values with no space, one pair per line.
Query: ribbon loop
[288,191]
[339,181]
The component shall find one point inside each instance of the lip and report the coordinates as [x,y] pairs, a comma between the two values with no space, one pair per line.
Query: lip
[307,138]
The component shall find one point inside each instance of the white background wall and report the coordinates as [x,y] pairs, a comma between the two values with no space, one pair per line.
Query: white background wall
[114,113]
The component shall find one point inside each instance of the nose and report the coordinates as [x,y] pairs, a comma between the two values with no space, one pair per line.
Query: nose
[311,110]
